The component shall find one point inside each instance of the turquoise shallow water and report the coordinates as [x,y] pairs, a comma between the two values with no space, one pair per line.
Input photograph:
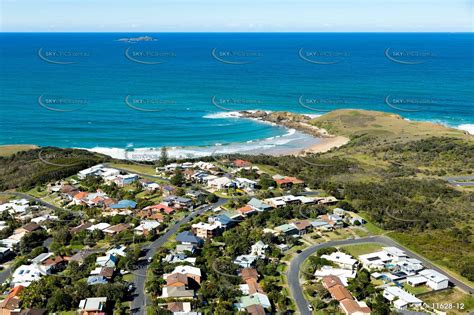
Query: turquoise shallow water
[92,91]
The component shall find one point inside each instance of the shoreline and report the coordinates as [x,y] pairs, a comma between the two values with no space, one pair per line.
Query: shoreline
[301,138]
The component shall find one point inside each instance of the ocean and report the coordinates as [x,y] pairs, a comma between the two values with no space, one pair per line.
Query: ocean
[116,91]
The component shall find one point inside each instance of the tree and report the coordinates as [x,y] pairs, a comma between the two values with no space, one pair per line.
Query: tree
[178,178]
[60,301]
[164,156]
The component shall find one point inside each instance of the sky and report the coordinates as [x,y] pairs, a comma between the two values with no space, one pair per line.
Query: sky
[236,15]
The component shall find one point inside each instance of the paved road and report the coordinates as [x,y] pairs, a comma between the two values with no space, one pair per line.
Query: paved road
[139,301]
[295,265]
[461,181]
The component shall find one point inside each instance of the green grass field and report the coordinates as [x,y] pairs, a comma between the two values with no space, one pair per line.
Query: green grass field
[362,249]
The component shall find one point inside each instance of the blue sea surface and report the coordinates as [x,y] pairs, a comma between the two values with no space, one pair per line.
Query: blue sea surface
[93,90]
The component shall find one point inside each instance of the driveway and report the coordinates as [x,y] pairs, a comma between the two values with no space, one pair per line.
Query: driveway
[295,266]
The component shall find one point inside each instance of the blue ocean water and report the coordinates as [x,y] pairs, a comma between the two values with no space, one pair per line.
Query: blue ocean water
[93,90]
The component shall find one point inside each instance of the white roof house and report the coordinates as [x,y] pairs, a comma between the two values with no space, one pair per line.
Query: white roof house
[343,274]
[147,225]
[96,304]
[394,252]
[43,218]
[185,270]
[435,280]
[245,261]
[118,250]
[15,206]
[376,260]
[400,298]
[416,280]
[25,274]
[258,249]
[220,183]
[343,260]
[99,226]
[91,171]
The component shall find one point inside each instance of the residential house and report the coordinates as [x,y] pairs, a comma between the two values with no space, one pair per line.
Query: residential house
[28,228]
[400,298]
[99,226]
[176,258]
[184,248]
[10,305]
[253,299]
[176,292]
[435,280]
[259,205]
[302,226]
[333,220]
[44,218]
[25,274]
[207,230]
[245,261]
[189,271]
[222,219]
[94,280]
[149,185]
[187,237]
[286,229]
[178,202]
[123,180]
[347,303]
[241,163]
[282,201]
[196,195]
[146,226]
[341,259]
[327,201]
[246,210]
[106,261]
[343,274]
[180,308]
[124,204]
[321,225]
[221,183]
[288,182]
[339,212]
[159,208]
[245,183]
[80,228]
[116,229]
[93,306]
[118,250]
[258,249]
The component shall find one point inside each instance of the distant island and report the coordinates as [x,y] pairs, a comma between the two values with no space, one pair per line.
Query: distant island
[137,39]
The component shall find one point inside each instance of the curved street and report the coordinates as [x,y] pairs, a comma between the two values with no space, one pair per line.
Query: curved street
[293,272]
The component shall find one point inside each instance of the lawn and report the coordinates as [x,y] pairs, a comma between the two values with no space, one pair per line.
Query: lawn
[340,234]
[416,290]
[36,193]
[462,303]
[150,170]
[362,249]
[128,277]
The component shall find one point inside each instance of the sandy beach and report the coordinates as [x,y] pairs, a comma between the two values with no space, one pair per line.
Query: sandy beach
[325,145]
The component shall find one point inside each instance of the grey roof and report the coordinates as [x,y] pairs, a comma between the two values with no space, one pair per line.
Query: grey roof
[188,237]
[256,203]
